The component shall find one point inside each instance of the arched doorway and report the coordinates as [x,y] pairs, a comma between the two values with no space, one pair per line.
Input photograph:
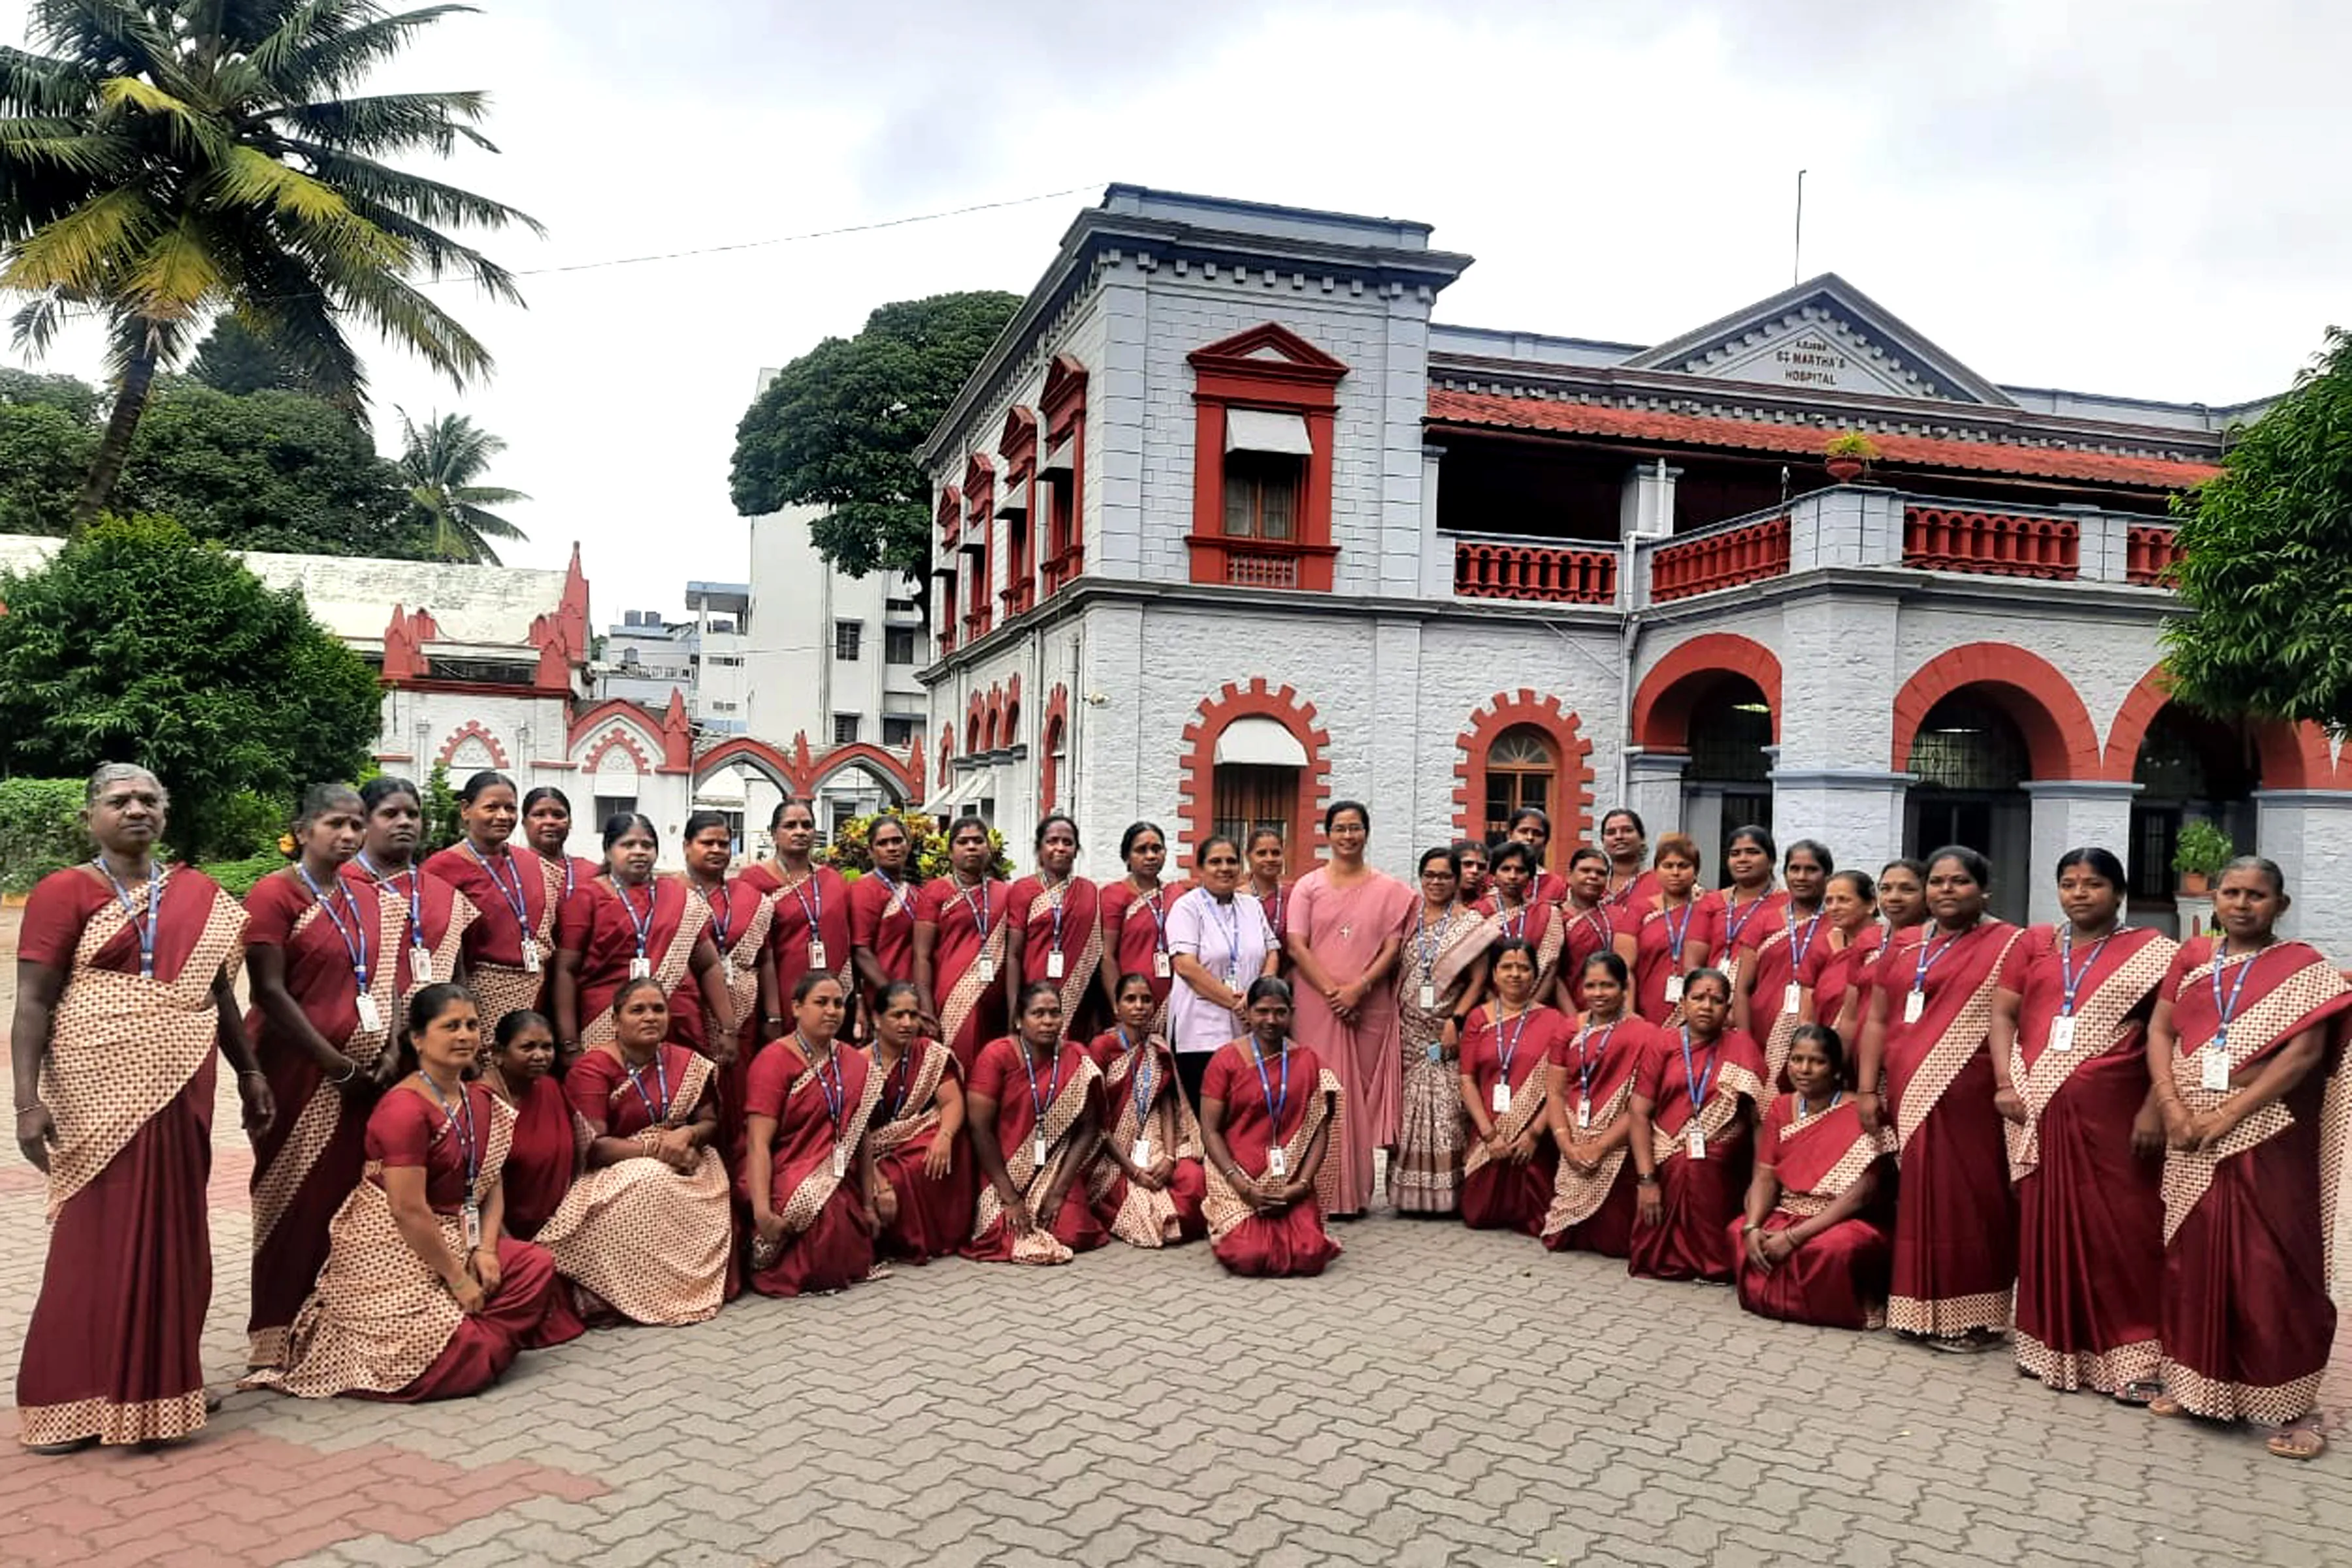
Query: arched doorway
[1728,784]
[1256,778]
[1522,769]
[2188,766]
[1971,762]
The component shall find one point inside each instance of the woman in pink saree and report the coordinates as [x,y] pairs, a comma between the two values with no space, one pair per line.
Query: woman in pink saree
[1347,927]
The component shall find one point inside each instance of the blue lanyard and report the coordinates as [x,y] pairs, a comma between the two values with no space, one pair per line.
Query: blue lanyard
[1427,946]
[897,894]
[836,1093]
[656,1112]
[2073,980]
[1275,1106]
[1228,914]
[1274,922]
[1507,1042]
[570,871]
[1929,958]
[1153,902]
[415,896]
[904,1066]
[646,926]
[1514,916]
[1676,933]
[131,911]
[1142,1076]
[513,896]
[1053,1086]
[354,935]
[1588,1062]
[1600,924]
[470,1150]
[1800,946]
[1695,1081]
[813,912]
[1836,1095]
[722,912]
[2229,1010]
[979,916]
[1735,921]
[1053,897]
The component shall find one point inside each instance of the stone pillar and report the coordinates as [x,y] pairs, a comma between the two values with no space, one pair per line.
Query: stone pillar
[2309,833]
[1857,812]
[1436,550]
[1655,789]
[1647,509]
[2070,813]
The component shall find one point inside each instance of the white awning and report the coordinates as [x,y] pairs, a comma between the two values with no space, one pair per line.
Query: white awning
[1057,463]
[1260,742]
[1255,430]
[1012,500]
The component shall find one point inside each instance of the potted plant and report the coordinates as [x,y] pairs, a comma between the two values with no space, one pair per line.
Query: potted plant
[2200,854]
[1849,453]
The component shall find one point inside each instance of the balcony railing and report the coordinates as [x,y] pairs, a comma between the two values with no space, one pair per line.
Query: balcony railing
[1748,553]
[1994,544]
[2150,552]
[1534,573]
[1060,568]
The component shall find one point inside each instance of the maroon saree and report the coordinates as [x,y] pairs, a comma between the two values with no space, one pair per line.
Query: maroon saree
[1836,1279]
[1701,1187]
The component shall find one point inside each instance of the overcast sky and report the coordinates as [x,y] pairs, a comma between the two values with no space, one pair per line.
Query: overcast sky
[2150,197]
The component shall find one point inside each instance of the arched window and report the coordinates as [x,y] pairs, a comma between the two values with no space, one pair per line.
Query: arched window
[1521,766]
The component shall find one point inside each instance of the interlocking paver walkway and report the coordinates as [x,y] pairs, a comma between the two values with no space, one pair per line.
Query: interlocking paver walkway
[1439,1397]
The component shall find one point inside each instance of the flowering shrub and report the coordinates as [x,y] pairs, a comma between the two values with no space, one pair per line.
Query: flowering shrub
[849,854]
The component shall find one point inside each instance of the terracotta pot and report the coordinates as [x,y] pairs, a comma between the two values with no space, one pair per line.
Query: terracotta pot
[1844,470]
[2194,884]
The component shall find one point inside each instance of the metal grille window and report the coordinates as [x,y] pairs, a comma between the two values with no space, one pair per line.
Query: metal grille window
[1729,729]
[844,729]
[848,640]
[1966,744]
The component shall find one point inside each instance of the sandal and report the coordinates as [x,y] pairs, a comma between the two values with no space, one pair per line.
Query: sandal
[2164,1404]
[2297,1440]
[2143,1392]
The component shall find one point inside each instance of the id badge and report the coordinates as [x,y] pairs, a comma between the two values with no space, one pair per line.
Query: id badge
[2062,1033]
[1915,1005]
[1160,968]
[1674,989]
[1140,1155]
[471,1214]
[641,969]
[370,1017]
[1436,1052]
[1791,996]
[2217,1069]
[1502,1097]
[1731,972]
[530,956]
[840,1162]
[1053,965]
[816,952]
[1428,998]
[987,969]
[420,965]
[1694,1144]
[1583,1115]
[1038,1150]
[1278,1164]
[727,970]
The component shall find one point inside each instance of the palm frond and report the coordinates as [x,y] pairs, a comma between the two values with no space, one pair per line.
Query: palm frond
[40,84]
[84,247]
[390,122]
[65,144]
[332,60]
[488,524]
[131,336]
[178,274]
[281,302]
[188,127]
[38,322]
[487,495]
[306,207]
[426,201]
[108,36]
[397,311]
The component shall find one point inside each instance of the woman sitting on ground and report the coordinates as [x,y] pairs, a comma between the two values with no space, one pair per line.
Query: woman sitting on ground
[1507,1178]
[1808,1252]
[549,1139]
[807,1172]
[923,1186]
[1033,1128]
[1267,1113]
[1147,1184]
[1694,1097]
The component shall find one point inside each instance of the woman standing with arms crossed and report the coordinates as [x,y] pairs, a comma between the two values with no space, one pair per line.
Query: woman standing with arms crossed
[2069,1036]
[1032,1130]
[1347,928]
[1677,930]
[1767,1000]
[322,952]
[2246,1049]
[1220,942]
[1135,914]
[1926,1072]
[1589,1099]
[961,970]
[923,1189]
[515,895]
[1056,934]
[1267,1107]
[124,989]
[1442,977]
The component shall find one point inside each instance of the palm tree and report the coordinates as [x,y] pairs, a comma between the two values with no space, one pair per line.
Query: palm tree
[165,160]
[441,460]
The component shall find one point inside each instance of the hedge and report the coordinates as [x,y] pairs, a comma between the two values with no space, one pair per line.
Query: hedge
[40,830]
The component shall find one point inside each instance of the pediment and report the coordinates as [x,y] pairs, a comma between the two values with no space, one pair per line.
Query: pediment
[1824,335]
[1269,344]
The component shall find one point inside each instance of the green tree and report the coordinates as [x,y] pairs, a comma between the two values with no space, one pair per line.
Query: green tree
[135,643]
[440,459]
[233,359]
[69,394]
[838,427]
[163,161]
[2266,562]
[45,452]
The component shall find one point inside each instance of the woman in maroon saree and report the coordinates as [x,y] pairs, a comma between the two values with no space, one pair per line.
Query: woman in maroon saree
[1752,907]
[882,911]
[1033,1128]
[433,948]
[1675,930]
[641,925]
[923,1186]
[1057,934]
[1924,1045]
[1512,912]
[1146,1184]
[1266,1109]
[125,986]
[2068,1035]
[1588,926]
[1267,861]
[807,1172]
[1508,1175]
[1832,977]
[1767,997]
[425,1295]
[961,946]
[1588,1103]
[1531,825]
[510,946]
[740,918]
[2246,1048]
[549,1139]
[810,932]
[1626,842]
[1694,1095]
[1135,919]
[323,953]
[1809,1251]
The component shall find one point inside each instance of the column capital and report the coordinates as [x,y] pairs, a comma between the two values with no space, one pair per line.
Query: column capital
[1842,778]
[2081,789]
[2321,799]
[1656,765]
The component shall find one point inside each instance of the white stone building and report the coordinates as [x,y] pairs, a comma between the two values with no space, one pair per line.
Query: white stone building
[1228,529]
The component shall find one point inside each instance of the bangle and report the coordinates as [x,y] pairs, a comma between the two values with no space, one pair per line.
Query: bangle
[1749,1227]
[37,1105]
[1649,1181]
[350,1071]
[252,1072]
[773,1018]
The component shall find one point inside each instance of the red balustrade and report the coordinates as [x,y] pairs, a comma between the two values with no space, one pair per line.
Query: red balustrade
[2150,552]
[1749,553]
[1535,573]
[1992,543]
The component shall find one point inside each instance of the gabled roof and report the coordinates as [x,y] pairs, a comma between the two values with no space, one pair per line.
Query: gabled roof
[1825,334]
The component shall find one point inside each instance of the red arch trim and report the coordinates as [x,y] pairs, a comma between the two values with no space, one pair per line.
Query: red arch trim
[473,730]
[798,775]
[1505,710]
[2293,756]
[2059,738]
[1662,705]
[1049,735]
[1196,771]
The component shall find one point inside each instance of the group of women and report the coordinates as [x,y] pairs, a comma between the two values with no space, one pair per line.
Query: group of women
[500,1096]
